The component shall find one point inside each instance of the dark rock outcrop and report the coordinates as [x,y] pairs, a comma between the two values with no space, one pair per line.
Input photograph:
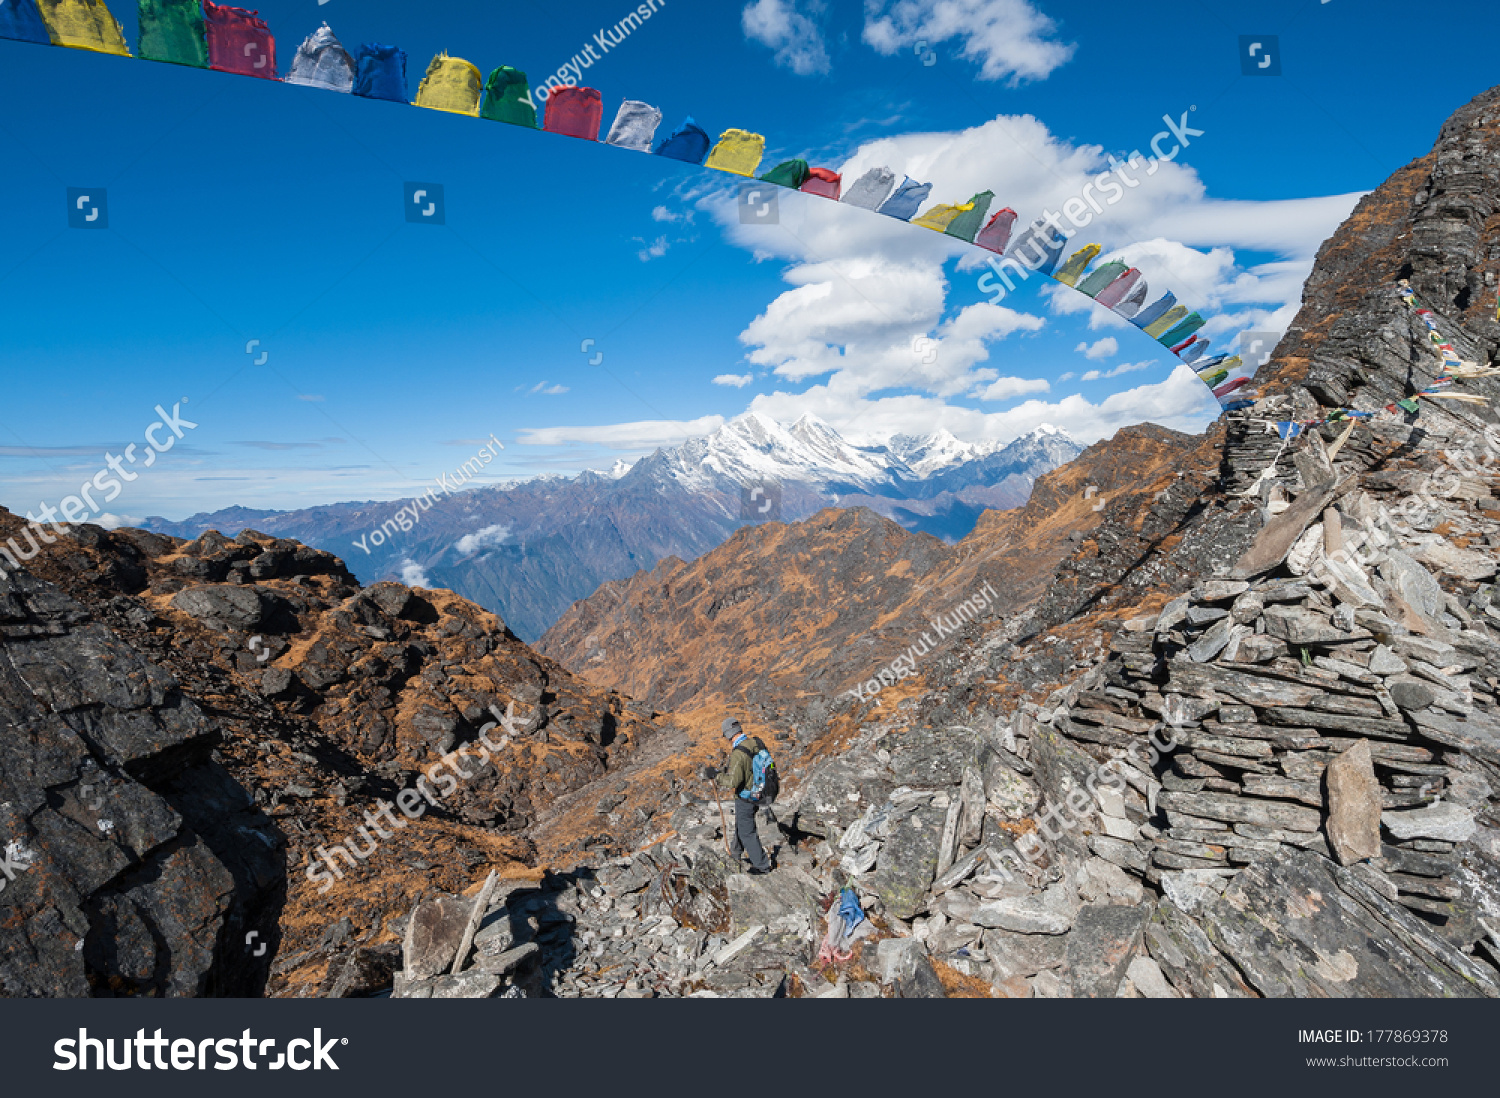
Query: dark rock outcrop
[135,863]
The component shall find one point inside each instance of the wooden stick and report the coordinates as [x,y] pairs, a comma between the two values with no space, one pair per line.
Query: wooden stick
[723,823]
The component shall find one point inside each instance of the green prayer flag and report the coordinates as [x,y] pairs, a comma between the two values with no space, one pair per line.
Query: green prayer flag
[791,173]
[966,225]
[172,31]
[506,98]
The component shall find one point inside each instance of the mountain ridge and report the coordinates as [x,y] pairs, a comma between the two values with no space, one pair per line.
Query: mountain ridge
[527,550]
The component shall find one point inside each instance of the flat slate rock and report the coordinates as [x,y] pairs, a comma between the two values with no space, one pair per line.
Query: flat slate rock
[1478,736]
[1445,821]
[1353,805]
[1298,926]
[1247,810]
[1296,625]
[762,900]
[1049,913]
[1276,538]
[433,934]
[1104,940]
[1024,955]
[1179,946]
[1259,690]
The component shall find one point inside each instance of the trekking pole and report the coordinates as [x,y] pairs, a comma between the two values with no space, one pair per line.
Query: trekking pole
[723,823]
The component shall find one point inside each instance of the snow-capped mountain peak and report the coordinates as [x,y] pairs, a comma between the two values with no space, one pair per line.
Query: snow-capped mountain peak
[754,447]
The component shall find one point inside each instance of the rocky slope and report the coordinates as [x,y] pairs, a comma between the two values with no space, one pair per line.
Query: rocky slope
[528,550]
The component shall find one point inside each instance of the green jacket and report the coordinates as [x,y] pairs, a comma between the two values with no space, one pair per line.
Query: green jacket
[739,773]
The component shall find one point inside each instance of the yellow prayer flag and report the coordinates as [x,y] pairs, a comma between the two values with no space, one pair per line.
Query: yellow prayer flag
[738,151]
[940,216]
[1165,324]
[451,84]
[1076,263]
[83,25]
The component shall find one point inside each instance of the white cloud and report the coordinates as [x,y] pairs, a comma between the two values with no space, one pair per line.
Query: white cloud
[1103,348]
[865,319]
[1010,39]
[413,575]
[661,213]
[653,250]
[1006,388]
[1127,368]
[641,435]
[1180,402]
[482,539]
[789,28]
[738,381]
[114,522]
[544,389]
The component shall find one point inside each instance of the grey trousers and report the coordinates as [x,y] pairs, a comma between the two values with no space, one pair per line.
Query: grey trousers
[745,837]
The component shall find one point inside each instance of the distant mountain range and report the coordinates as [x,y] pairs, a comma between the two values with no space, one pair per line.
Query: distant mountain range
[528,550]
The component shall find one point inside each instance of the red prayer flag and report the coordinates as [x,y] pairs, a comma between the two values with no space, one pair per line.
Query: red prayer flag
[576,112]
[823,182]
[239,41]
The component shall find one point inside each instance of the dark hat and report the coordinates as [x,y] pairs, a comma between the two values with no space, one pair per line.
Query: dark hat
[731,727]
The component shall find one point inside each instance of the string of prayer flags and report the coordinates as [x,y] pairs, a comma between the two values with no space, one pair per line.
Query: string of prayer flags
[203,33]
[1453,367]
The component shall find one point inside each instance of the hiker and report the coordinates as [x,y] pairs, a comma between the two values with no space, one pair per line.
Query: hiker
[751,777]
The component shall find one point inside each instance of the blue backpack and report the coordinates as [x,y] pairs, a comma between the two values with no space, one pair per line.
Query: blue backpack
[764,784]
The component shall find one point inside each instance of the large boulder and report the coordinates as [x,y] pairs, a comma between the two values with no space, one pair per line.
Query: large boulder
[227,608]
[908,862]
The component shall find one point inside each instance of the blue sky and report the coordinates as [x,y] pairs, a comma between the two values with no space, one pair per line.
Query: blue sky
[242,210]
